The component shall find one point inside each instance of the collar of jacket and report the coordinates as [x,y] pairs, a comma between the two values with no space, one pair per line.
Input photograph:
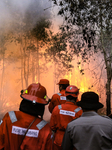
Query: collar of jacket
[71,103]
[89,113]
[62,91]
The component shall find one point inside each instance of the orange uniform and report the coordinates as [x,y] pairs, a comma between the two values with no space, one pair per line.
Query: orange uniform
[57,99]
[13,127]
[61,116]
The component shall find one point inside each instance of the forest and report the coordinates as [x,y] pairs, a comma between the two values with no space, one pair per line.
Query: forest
[44,41]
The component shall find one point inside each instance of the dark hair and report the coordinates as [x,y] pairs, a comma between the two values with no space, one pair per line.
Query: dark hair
[71,98]
[64,86]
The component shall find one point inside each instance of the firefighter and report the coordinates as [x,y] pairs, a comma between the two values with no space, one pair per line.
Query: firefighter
[59,98]
[25,129]
[91,131]
[63,114]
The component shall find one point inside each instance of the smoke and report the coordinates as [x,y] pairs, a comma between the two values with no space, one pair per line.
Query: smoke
[24,14]
[14,14]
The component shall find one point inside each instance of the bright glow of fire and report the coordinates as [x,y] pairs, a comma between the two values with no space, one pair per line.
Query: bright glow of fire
[83,87]
[36,79]
[7,104]
[82,82]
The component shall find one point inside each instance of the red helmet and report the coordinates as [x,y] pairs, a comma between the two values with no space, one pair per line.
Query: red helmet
[72,90]
[35,93]
[63,81]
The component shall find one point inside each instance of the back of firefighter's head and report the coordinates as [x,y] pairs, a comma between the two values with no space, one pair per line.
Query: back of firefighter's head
[34,99]
[72,93]
[63,83]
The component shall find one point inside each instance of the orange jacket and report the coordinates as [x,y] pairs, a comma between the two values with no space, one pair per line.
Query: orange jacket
[12,130]
[61,116]
[57,99]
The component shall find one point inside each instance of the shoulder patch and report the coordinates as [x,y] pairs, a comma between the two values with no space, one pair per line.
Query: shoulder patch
[77,109]
[59,106]
[59,94]
[41,124]
[62,97]
[12,116]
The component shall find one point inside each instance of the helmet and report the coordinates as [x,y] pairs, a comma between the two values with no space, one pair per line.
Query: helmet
[35,93]
[72,90]
[63,81]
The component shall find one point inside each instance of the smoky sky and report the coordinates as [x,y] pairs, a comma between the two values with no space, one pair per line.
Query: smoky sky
[14,13]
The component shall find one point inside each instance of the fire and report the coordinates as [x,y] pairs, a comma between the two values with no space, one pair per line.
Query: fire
[69,76]
[7,104]
[81,81]
[36,79]
[83,88]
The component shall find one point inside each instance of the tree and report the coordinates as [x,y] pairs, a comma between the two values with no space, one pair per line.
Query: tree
[2,53]
[91,22]
[40,34]
[27,17]
[57,53]
[18,21]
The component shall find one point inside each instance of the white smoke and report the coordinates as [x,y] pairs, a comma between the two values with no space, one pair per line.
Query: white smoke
[28,11]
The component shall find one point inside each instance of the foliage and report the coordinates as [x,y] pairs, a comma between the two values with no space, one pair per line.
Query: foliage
[89,24]
[88,16]
[40,30]
[57,50]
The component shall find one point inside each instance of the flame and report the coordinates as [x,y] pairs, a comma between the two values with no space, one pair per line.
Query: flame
[79,67]
[69,76]
[36,79]
[82,82]
[7,104]
[83,87]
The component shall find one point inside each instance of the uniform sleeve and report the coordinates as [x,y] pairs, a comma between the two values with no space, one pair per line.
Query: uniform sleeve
[49,142]
[67,142]
[1,136]
[2,131]
[54,119]
[79,113]
[52,103]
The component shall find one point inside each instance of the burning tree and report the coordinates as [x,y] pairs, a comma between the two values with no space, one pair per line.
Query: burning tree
[89,24]
[30,34]
[40,34]
[18,24]
[57,53]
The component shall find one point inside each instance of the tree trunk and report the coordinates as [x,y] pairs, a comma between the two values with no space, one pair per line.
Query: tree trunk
[3,66]
[108,68]
[54,73]
[108,99]
[38,66]
[21,48]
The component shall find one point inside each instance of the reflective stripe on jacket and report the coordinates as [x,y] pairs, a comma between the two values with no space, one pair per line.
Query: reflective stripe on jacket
[61,116]
[13,128]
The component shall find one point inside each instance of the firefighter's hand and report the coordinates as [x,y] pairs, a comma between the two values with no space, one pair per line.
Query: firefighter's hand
[48,99]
